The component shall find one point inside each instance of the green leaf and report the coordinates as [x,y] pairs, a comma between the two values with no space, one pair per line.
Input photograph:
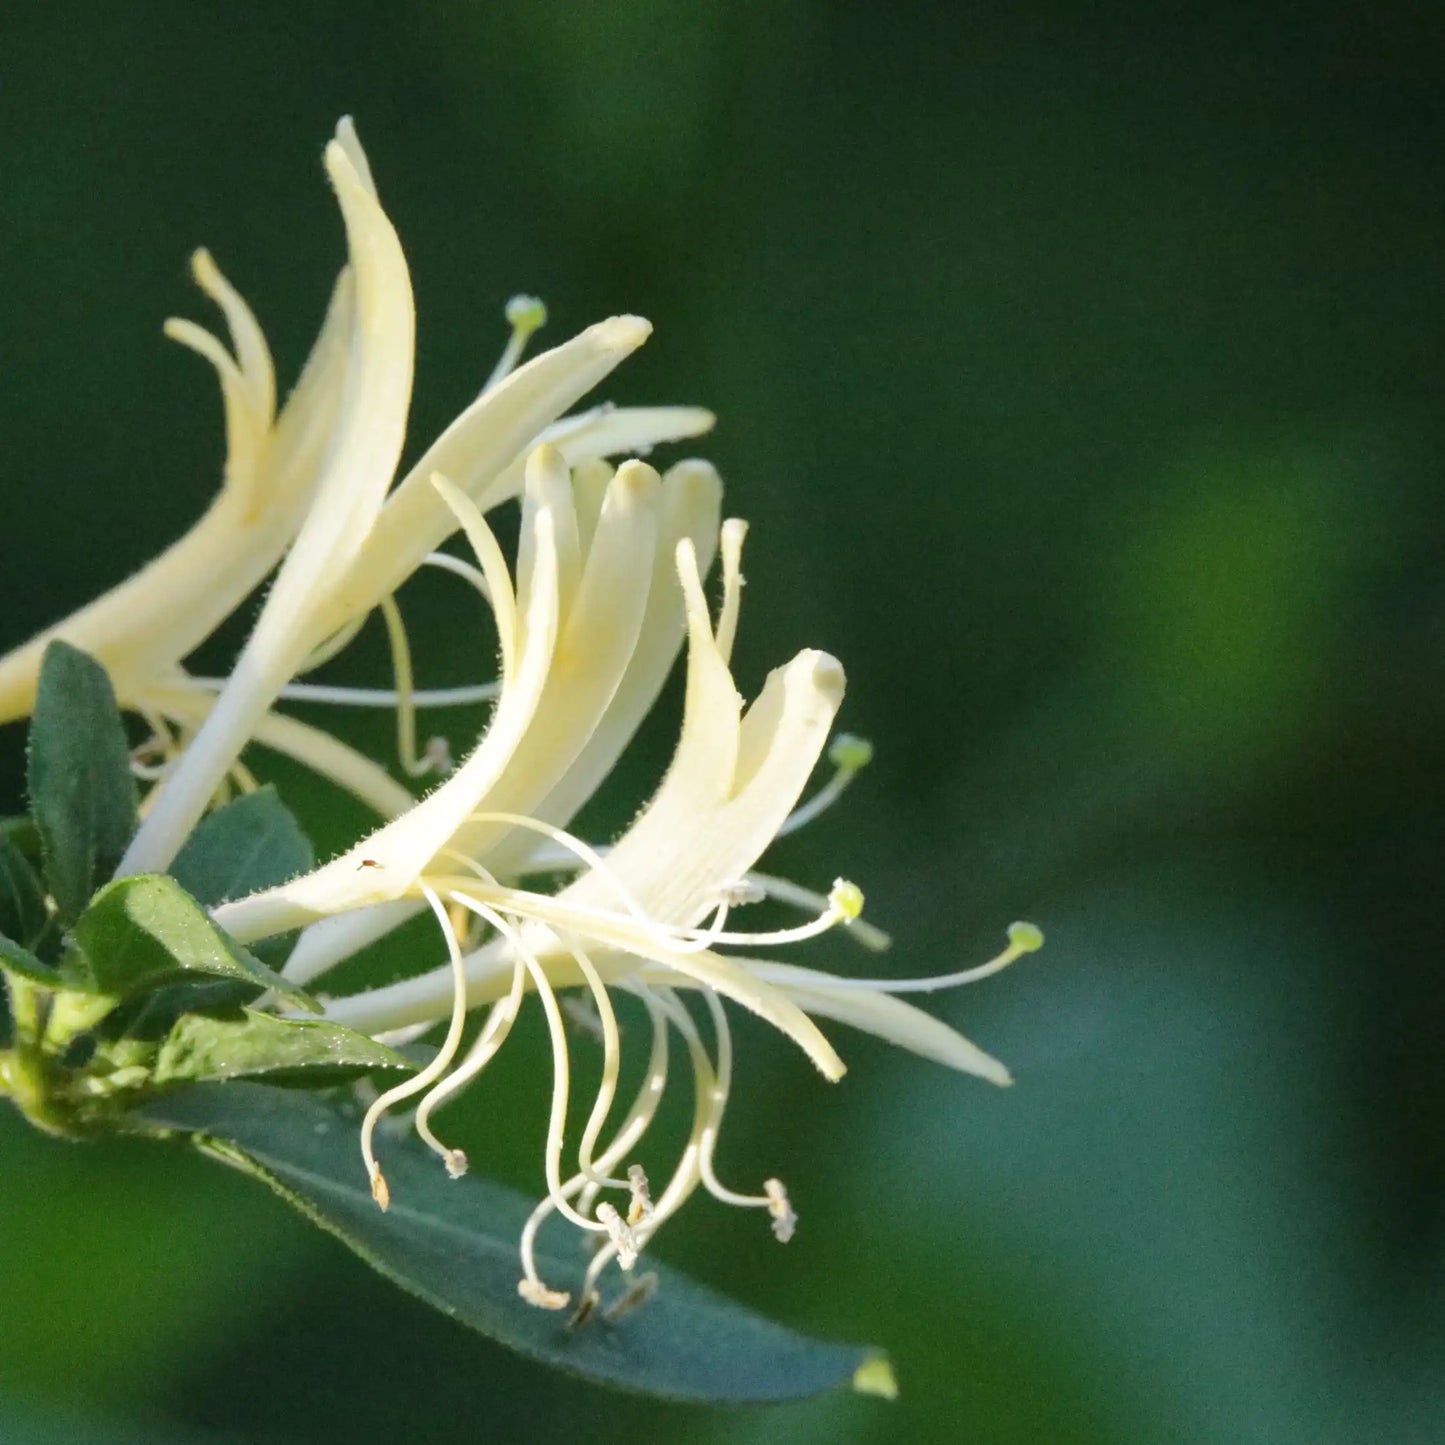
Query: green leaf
[454,1243]
[82,794]
[17,960]
[249,1044]
[252,843]
[144,932]
[23,914]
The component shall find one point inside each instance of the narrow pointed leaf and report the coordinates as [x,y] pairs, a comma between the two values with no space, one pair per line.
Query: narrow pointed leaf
[20,961]
[145,932]
[454,1244]
[248,1044]
[252,843]
[82,794]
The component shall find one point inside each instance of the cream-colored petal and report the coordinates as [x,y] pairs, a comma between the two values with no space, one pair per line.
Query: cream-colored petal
[888,1018]
[246,335]
[384,865]
[359,466]
[472,452]
[590,658]
[691,498]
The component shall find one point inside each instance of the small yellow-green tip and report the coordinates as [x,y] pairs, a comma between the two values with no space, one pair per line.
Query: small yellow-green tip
[847,898]
[526,313]
[1026,937]
[850,752]
[875,1377]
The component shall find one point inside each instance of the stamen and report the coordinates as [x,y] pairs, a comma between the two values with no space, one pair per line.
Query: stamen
[641,1205]
[433,1070]
[785,1222]
[849,756]
[623,1240]
[437,757]
[561,1072]
[634,1126]
[1023,938]
[526,315]
[722,1086]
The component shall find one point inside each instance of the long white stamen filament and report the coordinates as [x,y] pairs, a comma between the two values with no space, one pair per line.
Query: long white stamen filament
[561,1070]
[433,1070]
[686,1174]
[500,1018]
[611,1060]
[629,1134]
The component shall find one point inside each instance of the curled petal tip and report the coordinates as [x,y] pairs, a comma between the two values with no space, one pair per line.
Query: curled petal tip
[623,333]
[827,674]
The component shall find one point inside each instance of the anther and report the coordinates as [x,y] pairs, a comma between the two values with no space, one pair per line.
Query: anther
[585,1311]
[641,1206]
[785,1221]
[379,1190]
[740,893]
[456,1162]
[536,1293]
[619,1233]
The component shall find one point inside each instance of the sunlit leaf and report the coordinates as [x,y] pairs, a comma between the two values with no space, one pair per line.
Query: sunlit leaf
[145,932]
[249,1044]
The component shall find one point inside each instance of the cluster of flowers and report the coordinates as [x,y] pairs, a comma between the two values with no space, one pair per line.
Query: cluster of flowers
[606,588]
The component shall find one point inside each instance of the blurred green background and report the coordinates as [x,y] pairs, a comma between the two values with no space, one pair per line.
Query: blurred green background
[1081,372]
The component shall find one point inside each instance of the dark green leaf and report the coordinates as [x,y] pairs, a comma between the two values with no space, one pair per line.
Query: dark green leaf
[18,960]
[250,1044]
[144,932]
[23,914]
[250,844]
[82,794]
[454,1243]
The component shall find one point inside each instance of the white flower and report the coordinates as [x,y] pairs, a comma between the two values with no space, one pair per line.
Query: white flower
[310,485]
[648,918]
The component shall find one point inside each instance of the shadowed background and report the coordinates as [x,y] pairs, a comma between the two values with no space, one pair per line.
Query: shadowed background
[1082,381]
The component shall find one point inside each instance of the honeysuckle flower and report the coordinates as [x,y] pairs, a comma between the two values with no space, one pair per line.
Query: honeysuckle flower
[310,485]
[647,919]
[607,584]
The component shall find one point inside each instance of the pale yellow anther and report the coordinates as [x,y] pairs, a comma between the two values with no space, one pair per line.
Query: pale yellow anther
[641,1206]
[536,1293]
[780,1210]
[379,1190]
[456,1162]
[846,900]
[623,1240]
